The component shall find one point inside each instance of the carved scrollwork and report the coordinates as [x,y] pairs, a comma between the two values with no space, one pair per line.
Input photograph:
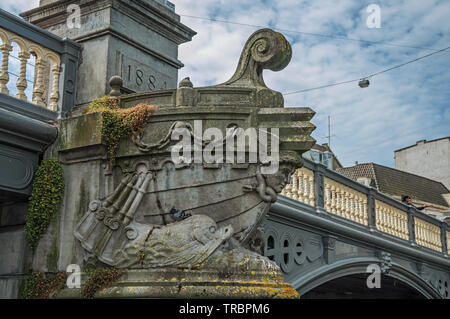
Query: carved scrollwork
[265,49]
[131,232]
[386,262]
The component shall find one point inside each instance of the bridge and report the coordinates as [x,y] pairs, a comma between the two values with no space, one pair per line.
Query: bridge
[327,233]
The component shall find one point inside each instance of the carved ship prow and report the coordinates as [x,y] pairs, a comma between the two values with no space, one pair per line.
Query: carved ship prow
[147,190]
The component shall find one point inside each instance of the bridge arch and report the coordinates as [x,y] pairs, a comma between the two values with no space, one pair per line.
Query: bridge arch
[305,283]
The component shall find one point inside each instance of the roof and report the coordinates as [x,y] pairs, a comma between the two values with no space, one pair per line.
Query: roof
[424,141]
[396,182]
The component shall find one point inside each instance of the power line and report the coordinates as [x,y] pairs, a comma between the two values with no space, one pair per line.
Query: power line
[12,56]
[17,76]
[340,37]
[368,76]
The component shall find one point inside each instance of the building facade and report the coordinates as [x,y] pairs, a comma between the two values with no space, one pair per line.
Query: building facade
[426,158]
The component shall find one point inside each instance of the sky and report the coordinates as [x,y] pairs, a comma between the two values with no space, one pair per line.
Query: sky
[398,108]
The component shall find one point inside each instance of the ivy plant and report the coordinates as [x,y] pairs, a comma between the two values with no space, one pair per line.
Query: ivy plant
[119,123]
[48,190]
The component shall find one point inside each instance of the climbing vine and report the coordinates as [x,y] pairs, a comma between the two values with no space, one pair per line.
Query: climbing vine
[48,190]
[99,279]
[119,123]
[39,287]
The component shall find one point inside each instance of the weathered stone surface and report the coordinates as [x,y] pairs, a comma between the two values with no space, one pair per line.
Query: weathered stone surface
[148,213]
[235,273]
[12,251]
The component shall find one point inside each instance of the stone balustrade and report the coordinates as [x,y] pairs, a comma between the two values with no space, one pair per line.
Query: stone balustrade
[391,220]
[346,202]
[427,234]
[46,60]
[55,63]
[301,187]
[339,196]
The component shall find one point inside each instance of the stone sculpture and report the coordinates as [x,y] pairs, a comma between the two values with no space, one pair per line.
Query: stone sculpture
[159,214]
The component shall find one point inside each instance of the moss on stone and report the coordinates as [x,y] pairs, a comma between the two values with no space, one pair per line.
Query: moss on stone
[38,286]
[48,190]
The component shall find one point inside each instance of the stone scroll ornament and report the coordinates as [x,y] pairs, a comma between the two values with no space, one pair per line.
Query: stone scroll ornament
[265,49]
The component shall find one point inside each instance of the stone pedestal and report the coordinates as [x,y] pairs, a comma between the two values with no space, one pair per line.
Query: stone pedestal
[137,40]
[238,273]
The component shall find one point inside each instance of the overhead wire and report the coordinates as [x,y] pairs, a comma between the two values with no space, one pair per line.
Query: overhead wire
[368,76]
[335,37]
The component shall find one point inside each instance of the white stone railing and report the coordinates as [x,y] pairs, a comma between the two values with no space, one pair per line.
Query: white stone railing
[346,202]
[391,220]
[46,85]
[328,191]
[427,234]
[301,187]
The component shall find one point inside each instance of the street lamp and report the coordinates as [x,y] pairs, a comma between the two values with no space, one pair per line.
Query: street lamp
[363,83]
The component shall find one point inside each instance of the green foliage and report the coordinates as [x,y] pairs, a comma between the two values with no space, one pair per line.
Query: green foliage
[99,279]
[119,123]
[38,287]
[48,190]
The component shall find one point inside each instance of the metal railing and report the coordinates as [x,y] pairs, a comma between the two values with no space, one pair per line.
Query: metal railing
[55,64]
[332,193]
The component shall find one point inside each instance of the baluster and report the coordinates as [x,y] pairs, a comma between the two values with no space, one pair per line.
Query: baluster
[294,185]
[301,185]
[359,208]
[287,190]
[389,220]
[395,223]
[21,83]
[364,210]
[6,48]
[381,217]
[385,219]
[54,96]
[39,85]
[351,206]
[333,198]
[327,196]
[306,188]
[421,234]
[338,200]
[345,203]
[311,190]
[405,226]
[430,236]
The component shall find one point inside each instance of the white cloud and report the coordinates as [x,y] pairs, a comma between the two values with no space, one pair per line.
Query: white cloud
[398,108]
[17,6]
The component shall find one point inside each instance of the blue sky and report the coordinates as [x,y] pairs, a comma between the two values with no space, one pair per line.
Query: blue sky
[397,109]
